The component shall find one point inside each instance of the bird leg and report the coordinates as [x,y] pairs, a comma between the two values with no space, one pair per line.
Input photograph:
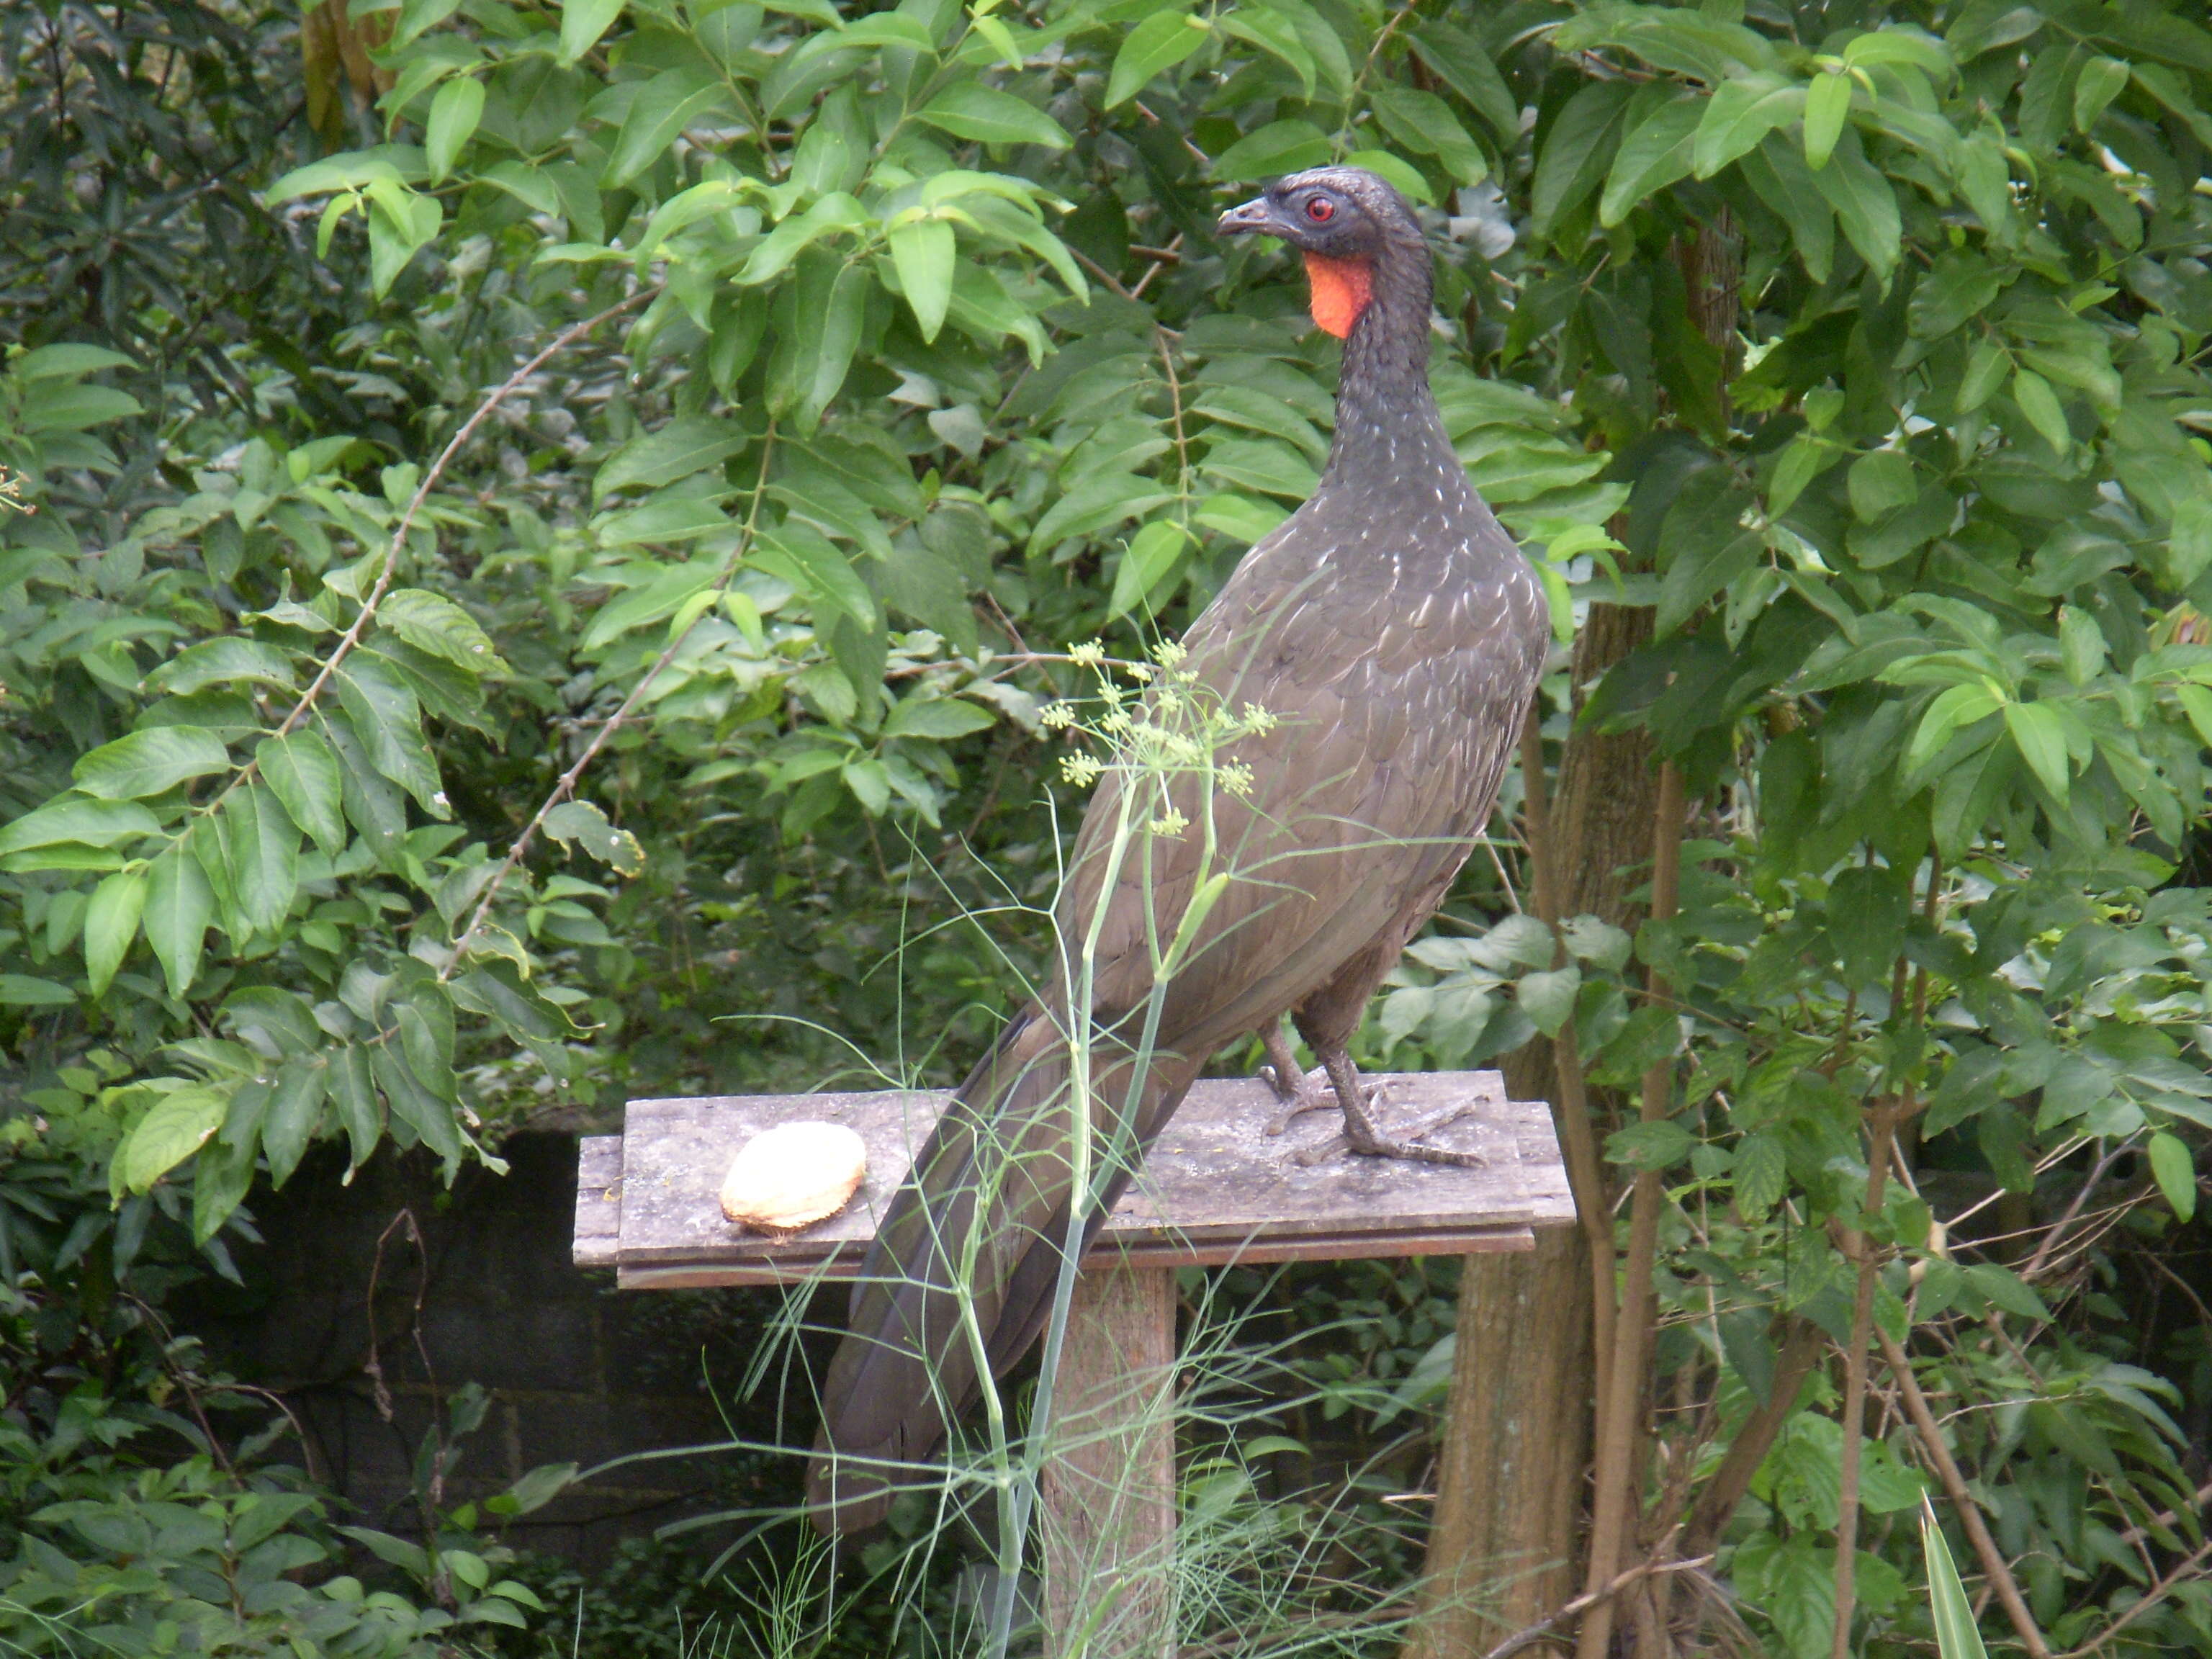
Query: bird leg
[1301,1092]
[1352,1097]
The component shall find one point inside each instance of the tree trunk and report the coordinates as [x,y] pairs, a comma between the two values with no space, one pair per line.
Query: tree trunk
[1508,1471]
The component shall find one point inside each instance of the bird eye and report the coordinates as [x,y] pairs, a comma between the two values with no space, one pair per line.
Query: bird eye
[1320,210]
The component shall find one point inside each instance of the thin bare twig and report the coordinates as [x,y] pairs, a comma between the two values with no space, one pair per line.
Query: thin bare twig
[2156,1593]
[1930,1436]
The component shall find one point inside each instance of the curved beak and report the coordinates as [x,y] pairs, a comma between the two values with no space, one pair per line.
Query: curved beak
[1256,217]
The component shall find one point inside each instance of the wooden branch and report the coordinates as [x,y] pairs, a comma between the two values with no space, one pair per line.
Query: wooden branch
[2156,1593]
[1955,1484]
[1570,1110]
[1718,1502]
[1582,1604]
[1617,1434]
[1855,1387]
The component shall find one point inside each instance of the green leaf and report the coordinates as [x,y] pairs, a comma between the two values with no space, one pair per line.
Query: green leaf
[1956,706]
[664,108]
[1865,204]
[1159,43]
[1278,147]
[431,621]
[2197,704]
[87,823]
[147,762]
[2007,1291]
[220,661]
[295,1113]
[179,904]
[1803,460]
[454,113]
[389,723]
[1548,999]
[923,254]
[834,215]
[1957,1634]
[2102,80]
[66,361]
[1828,103]
[1463,63]
[1986,366]
[2040,405]
[1742,112]
[1577,151]
[355,1096]
[303,775]
[265,857]
[1655,1145]
[415,1104]
[939,718]
[1151,554]
[27,991]
[832,303]
[806,558]
[2040,735]
[688,444]
[2175,1170]
[178,1125]
[110,922]
[1654,154]
[1761,1175]
[970,110]
[574,821]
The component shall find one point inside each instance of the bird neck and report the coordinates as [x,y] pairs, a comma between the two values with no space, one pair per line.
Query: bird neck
[1386,416]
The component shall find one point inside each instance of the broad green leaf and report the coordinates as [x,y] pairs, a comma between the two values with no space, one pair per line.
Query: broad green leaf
[1802,461]
[2040,735]
[807,559]
[1740,113]
[1828,105]
[178,1125]
[1577,151]
[832,303]
[264,857]
[969,109]
[454,113]
[1423,123]
[834,215]
[302,774]
[1276,35]
[2102,80]
[2175,1170]
[922,253]
[415,1104]
[431,621]
[688,444]
[1986,367]
[1654,154]
[355,1095]
[149,762]
[87,823]
[1277,147]
[220,661]
[1151,554]
[110,922]
[388,722]
[1865,204]
[665,107]
[1155,45]
[2041,405]
[1460,61]
[1955,707]
[580,821]
[179,905]
[939,718]
[1548,997]
[65,361]
[28,991]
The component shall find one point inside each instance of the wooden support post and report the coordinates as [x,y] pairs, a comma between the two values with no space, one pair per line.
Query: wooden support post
[1107,1510]
[1509,1466]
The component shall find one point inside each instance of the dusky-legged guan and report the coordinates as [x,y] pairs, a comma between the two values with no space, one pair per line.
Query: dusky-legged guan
[1396,633]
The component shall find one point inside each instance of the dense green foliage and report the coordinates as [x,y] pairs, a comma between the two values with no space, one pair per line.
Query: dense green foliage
[350,789]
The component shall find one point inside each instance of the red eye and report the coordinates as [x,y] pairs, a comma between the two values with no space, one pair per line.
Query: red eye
[1320,210]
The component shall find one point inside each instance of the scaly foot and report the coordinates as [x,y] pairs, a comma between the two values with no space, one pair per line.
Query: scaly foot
[1362,1136]
[1299,1092]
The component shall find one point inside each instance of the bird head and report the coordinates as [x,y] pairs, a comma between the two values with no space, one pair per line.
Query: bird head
[1344,221]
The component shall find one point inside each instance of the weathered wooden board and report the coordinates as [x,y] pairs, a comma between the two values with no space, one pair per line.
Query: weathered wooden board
[1215,1188]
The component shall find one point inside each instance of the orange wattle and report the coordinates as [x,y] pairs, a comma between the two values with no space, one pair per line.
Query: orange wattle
[1341,290]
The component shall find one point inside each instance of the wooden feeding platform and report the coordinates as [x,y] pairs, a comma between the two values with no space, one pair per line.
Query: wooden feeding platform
[1216,1187]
